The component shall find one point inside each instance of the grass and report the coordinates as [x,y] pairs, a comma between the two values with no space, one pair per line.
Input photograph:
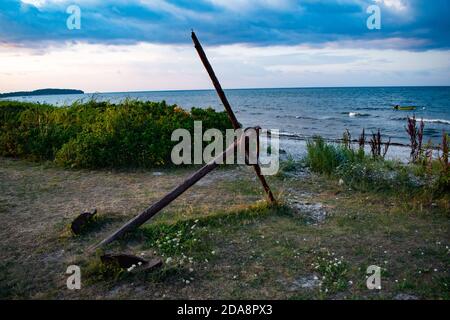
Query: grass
[247,249]
[366,173]
[326,158]
[188,238]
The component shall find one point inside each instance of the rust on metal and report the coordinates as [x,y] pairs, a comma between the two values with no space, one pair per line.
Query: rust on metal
[126,261]
[82,221]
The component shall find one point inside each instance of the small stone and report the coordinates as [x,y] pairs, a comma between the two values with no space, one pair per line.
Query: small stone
[307,282]
[405,296]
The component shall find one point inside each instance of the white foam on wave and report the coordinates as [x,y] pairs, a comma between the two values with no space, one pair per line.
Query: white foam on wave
[441,121]
[357,114]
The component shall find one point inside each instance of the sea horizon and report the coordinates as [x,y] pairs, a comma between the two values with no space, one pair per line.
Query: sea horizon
[235,88]
[272,88]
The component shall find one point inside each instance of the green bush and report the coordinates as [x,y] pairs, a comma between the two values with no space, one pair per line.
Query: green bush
[365,173]
[325,158]
[379,176]
[98,134]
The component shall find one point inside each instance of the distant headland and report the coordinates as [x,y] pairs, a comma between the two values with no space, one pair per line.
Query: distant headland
[40,92]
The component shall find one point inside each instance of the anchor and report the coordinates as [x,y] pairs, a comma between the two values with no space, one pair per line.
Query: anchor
[195,177]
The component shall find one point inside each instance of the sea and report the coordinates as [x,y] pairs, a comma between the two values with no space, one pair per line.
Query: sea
[301,113]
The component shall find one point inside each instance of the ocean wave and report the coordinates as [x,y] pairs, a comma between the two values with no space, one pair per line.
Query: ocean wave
[305,118]
[432,132]
[357,114]
[294,135]
[295,117]
[290,134]
[440,121]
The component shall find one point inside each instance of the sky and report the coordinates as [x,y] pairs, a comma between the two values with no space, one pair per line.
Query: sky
[139,45]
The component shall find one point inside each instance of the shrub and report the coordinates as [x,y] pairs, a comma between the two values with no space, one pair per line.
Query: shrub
[379,176]
[365,173]
[98,134]
[325,158]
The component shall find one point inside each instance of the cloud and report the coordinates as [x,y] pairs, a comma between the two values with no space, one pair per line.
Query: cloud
[251,6]
[143,66]
[399,5]
[218,22]
[36,3]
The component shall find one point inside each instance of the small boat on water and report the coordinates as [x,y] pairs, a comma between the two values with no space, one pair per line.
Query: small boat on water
[405,108]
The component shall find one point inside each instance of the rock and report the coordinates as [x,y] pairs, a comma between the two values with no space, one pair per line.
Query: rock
[300,173]
[315,212]
[405,296]
[306,282]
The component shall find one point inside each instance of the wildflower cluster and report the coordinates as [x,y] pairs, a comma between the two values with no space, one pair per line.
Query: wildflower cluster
[333,271]
[181,239]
